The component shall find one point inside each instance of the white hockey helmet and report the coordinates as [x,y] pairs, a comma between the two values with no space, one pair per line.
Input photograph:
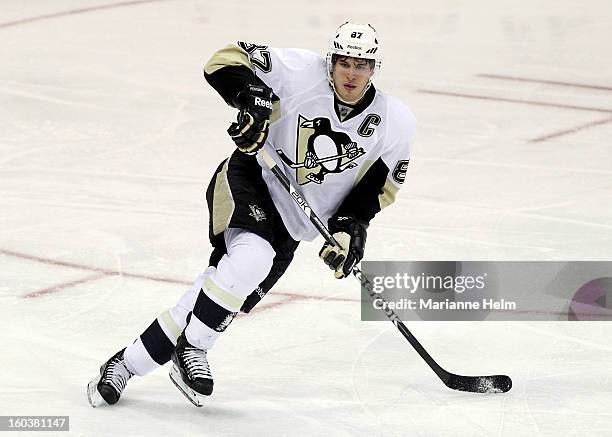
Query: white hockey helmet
[357,41]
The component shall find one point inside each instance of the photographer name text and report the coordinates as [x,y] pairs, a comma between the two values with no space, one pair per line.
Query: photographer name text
[447,304]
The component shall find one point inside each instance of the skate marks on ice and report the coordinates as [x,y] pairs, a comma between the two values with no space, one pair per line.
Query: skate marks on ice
[568,106]
[69,12]
[389,380]
[101,273]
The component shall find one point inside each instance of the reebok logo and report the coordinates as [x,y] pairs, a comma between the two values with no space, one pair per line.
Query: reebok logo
[353,47]
[261,102]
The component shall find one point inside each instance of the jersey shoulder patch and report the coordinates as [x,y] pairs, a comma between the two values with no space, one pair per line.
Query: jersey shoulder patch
[399,172]
[258,54]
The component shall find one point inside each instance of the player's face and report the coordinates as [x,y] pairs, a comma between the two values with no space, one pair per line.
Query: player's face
[351,75]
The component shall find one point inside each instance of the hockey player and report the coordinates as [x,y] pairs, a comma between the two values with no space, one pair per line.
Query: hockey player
[346,144]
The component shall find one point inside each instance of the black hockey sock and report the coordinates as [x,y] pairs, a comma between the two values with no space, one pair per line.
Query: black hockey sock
[212,314]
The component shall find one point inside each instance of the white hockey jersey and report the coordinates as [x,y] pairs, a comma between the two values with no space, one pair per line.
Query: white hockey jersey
[326,156]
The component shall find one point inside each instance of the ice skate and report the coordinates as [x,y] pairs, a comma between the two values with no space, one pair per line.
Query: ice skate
[109,384]
[190,372]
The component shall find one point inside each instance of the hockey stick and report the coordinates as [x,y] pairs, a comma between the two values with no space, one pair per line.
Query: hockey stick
[475,384]
[292,164]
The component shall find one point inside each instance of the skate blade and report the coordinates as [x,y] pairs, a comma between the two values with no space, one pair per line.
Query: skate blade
[194,397]
[93,395]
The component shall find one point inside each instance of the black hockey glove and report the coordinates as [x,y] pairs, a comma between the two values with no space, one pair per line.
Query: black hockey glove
[351,234]
[250,130]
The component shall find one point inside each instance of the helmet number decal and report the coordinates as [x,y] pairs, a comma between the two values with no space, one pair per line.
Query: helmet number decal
[259,56]
[356,34]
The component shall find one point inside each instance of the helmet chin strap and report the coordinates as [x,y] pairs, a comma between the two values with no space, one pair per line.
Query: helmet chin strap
[367,87]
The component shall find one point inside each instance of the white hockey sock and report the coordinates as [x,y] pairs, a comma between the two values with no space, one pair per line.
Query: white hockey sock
[240,271]
[137,359]
[200,335]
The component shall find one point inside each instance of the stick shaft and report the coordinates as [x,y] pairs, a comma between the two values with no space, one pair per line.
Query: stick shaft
[363,279]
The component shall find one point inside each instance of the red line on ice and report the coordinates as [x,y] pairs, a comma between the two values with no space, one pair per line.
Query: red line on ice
[74,12]
[547,82]
[91,269]
[267,306]
[101,273]
[64,285]
[289,297]
[570,130]
[293,297]
[524,102]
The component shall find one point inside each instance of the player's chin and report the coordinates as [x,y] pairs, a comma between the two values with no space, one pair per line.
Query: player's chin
[349,94]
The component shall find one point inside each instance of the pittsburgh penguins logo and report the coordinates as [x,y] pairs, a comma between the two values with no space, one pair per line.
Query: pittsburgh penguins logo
[259,55]
[321,150]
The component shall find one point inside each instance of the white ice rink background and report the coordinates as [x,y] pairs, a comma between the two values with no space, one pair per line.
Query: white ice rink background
[109,135]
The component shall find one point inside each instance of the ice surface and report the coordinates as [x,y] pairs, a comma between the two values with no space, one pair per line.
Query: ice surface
[108,136]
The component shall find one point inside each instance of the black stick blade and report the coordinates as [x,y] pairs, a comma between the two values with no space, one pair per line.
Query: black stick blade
[480,384]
